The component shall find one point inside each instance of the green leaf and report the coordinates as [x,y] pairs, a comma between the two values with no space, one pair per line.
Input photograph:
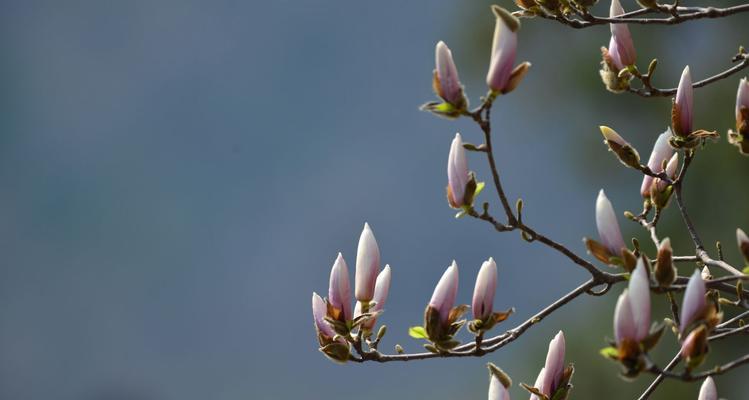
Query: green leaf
[610,352]
[746,270]
[417,332]
[479,187]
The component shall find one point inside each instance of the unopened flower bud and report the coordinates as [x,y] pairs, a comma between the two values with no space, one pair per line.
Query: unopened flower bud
[623,150]
[483,292]
[661,151]
[681,112]
[460,182]
[739,138]
[367,265]
[665,272]
[694,348]
[743,241]
[708,391]
[382,287]
[622,49]
[499,382]
[443,298]
[504,47]
[639,298]
[325,332]
[694,303]
[552,376]
[339,292]
[742,107]
[608,226]
[446,81]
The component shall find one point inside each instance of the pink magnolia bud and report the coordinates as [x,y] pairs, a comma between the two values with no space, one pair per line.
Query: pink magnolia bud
[608,226]
[497,391]
[742,100]
[681,115]
[539,383]
[624,321]
[445,292]
[457,173]
[743,241]
[448,83]
[639,299]
[367,265]
[708,391]
[554,367]
[382,287]
[694,303]
[504,47]
[621,47]
[339,292]
[483,292]
[661,151]
[319,311]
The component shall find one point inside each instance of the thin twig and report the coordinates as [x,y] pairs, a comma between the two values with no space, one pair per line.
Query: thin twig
[677,16]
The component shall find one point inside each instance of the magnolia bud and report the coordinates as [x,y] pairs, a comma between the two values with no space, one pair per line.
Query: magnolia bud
[613,73]
[382,287]
[694,348]
[742,107]
[483,292]
[694,303]
[325,332]
[623,150]
[681,111]
[639,298]
[504,47]
[622,49]
[497,389]
[446,81]
[661,151]
[339,292]
[445,292]
[743,241]
[624,322]
[459,179]
[367,265]
[608,226]
[665,272]
[553,371]
[708,391]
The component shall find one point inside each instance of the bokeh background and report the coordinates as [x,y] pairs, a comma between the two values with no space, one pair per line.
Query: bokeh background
[177,177]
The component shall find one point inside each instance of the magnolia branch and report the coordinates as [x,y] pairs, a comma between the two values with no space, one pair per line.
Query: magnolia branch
[699,246]
[583,19]
[496,342]
[647,90]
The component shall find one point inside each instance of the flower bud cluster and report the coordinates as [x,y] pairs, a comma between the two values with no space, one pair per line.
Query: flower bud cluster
[334,318]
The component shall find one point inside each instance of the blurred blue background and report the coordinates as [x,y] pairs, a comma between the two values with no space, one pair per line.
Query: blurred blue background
[177,177]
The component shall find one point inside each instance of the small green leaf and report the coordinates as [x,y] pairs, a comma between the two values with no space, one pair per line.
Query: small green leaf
[479,187]
[746,270]
[610,352]
[417,332]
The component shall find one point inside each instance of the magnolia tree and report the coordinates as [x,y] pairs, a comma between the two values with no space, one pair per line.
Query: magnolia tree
[707,305]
